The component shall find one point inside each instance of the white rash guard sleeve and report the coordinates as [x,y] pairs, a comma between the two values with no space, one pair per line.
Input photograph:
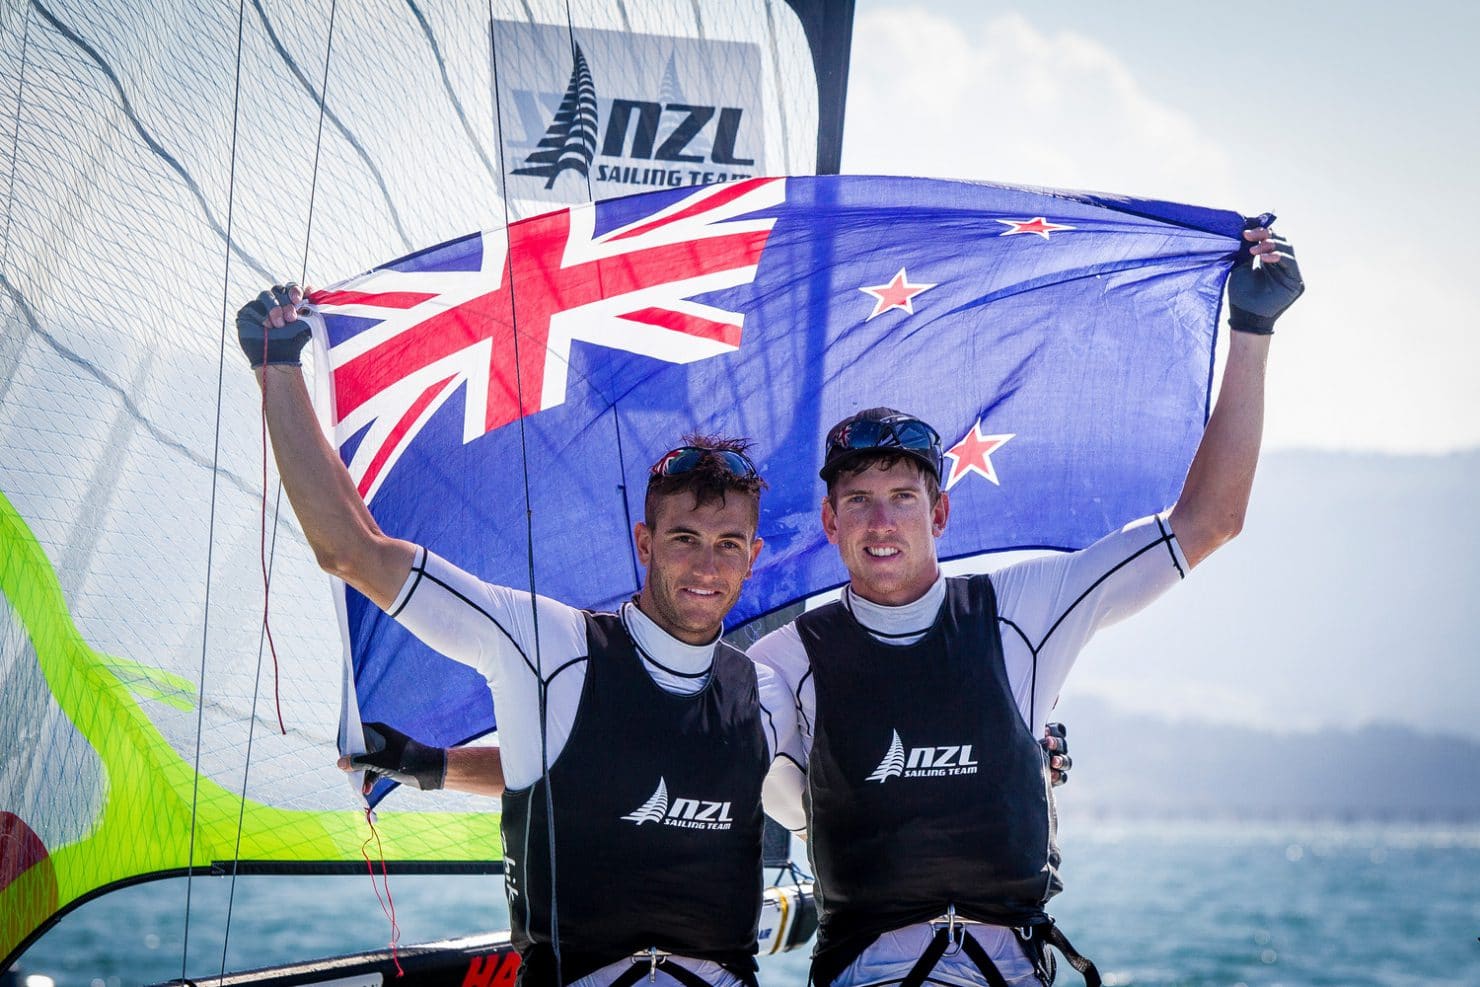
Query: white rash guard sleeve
[490,629]
[1047,609]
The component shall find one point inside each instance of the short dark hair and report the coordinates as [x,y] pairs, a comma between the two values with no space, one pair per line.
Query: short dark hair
[709,482]
[884,459]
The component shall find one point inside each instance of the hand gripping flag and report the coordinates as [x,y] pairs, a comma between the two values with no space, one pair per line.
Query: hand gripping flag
[1060,342]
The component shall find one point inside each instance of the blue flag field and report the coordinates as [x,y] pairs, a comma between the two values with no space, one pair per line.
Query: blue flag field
[500,398]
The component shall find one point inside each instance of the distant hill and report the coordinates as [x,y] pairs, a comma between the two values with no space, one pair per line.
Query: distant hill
[1352,596]
[1135,765]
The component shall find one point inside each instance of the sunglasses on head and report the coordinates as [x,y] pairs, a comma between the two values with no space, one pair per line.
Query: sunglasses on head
[686,459]
[894,432]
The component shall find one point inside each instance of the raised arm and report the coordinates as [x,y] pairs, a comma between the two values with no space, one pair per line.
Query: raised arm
[345,539]
[1215,496]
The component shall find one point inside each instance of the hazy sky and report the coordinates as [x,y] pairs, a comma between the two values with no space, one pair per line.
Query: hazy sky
[1355,122]
[1343,602]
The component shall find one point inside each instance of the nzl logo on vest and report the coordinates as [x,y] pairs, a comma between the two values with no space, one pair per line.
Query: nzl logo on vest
[637,110]
[682,813]
[924,762]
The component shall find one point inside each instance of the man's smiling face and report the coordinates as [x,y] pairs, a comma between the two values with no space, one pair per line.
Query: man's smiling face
[885,528]
[697,561]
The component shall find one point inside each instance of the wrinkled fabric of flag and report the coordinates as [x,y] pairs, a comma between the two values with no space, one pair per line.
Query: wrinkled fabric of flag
[500,398]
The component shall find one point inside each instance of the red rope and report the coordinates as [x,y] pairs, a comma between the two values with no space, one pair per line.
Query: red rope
[387,903]
[277,699]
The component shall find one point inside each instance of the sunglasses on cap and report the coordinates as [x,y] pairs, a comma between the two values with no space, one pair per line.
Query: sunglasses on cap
[895,433]
[686,459]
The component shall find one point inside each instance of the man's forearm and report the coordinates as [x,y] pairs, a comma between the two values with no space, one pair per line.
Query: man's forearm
[1215,496]
[478,770]
[346,540]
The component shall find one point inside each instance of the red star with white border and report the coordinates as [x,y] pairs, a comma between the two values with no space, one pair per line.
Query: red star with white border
[898,293]
[973,454]
[1037,225]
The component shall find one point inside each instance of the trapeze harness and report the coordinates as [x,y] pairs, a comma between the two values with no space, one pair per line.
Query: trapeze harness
[929,795]
[657,825]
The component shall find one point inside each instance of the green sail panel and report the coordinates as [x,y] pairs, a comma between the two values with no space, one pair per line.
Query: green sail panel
[152,799]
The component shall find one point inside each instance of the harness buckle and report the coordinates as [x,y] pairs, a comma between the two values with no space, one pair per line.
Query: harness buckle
[954,928]
[653,956]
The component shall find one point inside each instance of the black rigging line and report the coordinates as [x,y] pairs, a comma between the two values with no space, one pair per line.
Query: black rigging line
[534,606]
[339,125]
[622,492]
[200,703]
[263,635]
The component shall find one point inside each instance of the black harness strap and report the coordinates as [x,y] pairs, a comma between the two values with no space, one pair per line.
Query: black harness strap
[928,959]
[677,971]
[1040,937]
[939,943]
[983,962]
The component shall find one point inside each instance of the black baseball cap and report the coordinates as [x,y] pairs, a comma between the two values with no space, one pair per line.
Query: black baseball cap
[876,431]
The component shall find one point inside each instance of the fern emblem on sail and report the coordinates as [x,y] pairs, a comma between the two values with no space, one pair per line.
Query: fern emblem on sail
[570,141]
[893,764]
[654,809]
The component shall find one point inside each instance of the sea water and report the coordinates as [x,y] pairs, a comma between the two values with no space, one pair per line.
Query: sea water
[1152,903]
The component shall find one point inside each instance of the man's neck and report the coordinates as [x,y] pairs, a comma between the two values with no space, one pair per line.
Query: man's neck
[674,665]
[903,624]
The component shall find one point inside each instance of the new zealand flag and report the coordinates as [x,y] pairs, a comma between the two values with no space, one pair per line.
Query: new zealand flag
[1060,342]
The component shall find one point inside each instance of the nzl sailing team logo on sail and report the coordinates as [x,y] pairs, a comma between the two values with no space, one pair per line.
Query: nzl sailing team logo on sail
[682,813]
[660,138]
[924,762]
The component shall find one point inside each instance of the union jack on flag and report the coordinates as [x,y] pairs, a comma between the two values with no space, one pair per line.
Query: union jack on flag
[1061,343]
[402,338]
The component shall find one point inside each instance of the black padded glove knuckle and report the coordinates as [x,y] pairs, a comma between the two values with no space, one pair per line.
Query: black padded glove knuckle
[391,754]
[1259,295]
[264,344]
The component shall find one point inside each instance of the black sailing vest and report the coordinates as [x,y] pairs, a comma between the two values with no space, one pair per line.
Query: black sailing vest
[657,820]
[927,789]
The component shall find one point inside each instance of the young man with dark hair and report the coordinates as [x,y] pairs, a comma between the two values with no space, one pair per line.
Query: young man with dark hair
[930,824]
[612,722]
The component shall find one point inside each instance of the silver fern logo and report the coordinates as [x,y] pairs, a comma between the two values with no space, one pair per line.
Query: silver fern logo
[680,134]
[924,762]
[682,813]
[893,764]
[654,809]
[570,141]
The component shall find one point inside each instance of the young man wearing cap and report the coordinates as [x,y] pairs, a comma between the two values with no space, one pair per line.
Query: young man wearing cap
[618,724]
[919,697]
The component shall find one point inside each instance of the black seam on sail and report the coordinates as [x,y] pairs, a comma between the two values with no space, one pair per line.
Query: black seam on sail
[158,149]
[462,116]
[129,404]
[211,526]
[328,867]
[339,125]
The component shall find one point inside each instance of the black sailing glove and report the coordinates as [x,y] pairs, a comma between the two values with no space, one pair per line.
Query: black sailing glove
[394,755]
[1257,295]
[263,343]
[1056,743]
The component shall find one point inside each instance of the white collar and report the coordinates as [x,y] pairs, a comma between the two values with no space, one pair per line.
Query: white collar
[909,620]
